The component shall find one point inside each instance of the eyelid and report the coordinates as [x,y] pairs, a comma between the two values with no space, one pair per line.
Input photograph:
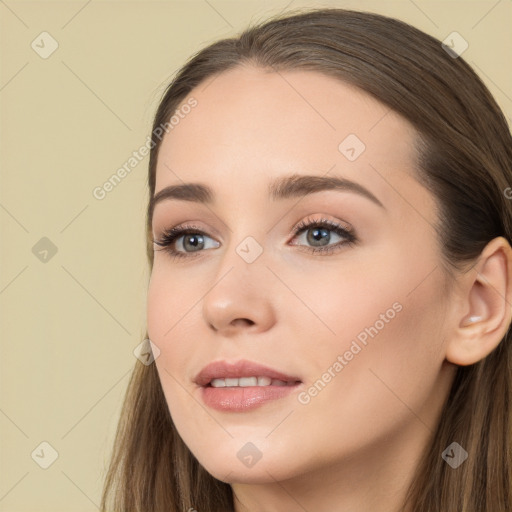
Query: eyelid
[346,232]
[310,220]
[193,224]
[180,230]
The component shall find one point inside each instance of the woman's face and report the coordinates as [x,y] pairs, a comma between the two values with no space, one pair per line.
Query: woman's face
[356,331]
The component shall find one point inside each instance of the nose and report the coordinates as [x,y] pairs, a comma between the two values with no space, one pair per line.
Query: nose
[240,297]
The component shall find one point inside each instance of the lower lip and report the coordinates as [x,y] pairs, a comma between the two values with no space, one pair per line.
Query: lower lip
[240,399]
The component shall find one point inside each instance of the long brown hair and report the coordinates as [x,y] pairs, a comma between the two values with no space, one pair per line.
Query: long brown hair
[465,161]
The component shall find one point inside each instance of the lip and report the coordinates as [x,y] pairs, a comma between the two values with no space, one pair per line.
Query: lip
[239,399]
[242,368]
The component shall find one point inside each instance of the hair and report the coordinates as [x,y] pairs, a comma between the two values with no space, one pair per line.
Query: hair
[464,160]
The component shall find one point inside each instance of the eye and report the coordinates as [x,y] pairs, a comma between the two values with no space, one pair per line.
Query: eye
[182,240]
[317,234]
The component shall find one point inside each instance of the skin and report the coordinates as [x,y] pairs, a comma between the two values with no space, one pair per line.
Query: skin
[355,445]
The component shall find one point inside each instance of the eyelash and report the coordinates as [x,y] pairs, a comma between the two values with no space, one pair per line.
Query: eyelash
[171,235]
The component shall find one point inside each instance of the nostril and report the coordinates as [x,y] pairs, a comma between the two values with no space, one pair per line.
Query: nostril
[242,321]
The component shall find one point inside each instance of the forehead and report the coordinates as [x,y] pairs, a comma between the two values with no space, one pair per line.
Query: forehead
[251,125]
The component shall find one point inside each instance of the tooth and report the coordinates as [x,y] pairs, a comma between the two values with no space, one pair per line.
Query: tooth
[247,381]
[264,381]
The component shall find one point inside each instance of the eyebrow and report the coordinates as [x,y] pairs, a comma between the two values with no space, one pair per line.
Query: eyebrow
[294,185]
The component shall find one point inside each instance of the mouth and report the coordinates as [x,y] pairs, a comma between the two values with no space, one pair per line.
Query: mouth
[243,385]
[245,382]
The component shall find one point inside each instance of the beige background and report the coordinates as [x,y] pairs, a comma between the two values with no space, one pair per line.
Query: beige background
[68,122]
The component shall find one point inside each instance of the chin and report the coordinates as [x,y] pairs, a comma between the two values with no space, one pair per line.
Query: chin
[245,465]
[261,473]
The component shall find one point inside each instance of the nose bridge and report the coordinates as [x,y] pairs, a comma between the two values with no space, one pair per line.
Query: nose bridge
[243,265]
[246,246]
[240,289]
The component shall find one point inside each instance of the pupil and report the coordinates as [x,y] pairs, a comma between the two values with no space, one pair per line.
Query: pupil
[319,235]
[193,241]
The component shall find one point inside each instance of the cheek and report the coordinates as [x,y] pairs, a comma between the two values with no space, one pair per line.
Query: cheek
[383,360]
[171,295]
[175,324]
[169,318]
[384,314]
[157,307]
[393,303]
[359,301]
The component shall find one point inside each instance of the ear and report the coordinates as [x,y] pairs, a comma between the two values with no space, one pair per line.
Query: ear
[487,306]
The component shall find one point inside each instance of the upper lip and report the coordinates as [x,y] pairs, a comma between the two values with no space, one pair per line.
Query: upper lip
[242,368]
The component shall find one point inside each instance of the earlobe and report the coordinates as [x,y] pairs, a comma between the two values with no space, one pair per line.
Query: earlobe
[487,304]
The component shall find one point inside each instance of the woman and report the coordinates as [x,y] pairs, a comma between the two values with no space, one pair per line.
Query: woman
[340,341]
